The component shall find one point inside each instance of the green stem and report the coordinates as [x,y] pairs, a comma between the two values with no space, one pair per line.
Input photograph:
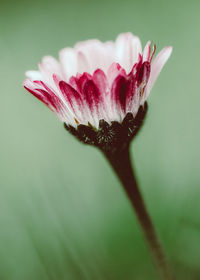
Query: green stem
[121,163]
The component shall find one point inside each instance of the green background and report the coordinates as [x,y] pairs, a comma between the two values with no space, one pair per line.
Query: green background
[63,214]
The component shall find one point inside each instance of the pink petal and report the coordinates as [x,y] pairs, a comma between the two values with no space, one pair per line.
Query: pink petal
[73,81]
[101,82]
[56,79]
[157,66]
[115,70]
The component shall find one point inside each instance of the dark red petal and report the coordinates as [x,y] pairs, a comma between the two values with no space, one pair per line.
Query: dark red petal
[91,94]
[131,88]
[138,65]
[82,79]
[41,83]
[144,72]
[51,98]
[119,91]
[70,94]
[38,96]
[48,98]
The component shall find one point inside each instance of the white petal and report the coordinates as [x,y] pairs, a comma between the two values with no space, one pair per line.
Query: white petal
[127,50]
[48,67]
[83,64]
[157,66]
[68,60]
[29,84]
[97,54]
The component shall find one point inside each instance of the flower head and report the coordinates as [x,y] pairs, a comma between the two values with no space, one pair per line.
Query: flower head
[97,81]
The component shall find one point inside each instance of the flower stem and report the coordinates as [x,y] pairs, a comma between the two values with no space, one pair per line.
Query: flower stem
[121,163]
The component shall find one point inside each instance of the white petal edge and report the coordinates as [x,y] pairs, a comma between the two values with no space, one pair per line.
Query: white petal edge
[146,51]
[157,66]
[33,75]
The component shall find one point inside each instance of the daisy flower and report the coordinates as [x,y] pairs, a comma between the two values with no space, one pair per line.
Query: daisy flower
[97,81]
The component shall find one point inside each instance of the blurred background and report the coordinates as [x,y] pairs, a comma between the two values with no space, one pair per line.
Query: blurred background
[63,214]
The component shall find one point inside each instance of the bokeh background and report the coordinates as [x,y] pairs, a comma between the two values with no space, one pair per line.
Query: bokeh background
[63,214]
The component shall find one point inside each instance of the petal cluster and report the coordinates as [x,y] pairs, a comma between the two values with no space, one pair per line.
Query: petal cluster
[96,80]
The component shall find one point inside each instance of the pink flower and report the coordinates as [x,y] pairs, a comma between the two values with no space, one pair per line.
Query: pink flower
[95,80]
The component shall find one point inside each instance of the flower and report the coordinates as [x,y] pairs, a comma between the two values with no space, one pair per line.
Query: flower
[97,81]
[99,91]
